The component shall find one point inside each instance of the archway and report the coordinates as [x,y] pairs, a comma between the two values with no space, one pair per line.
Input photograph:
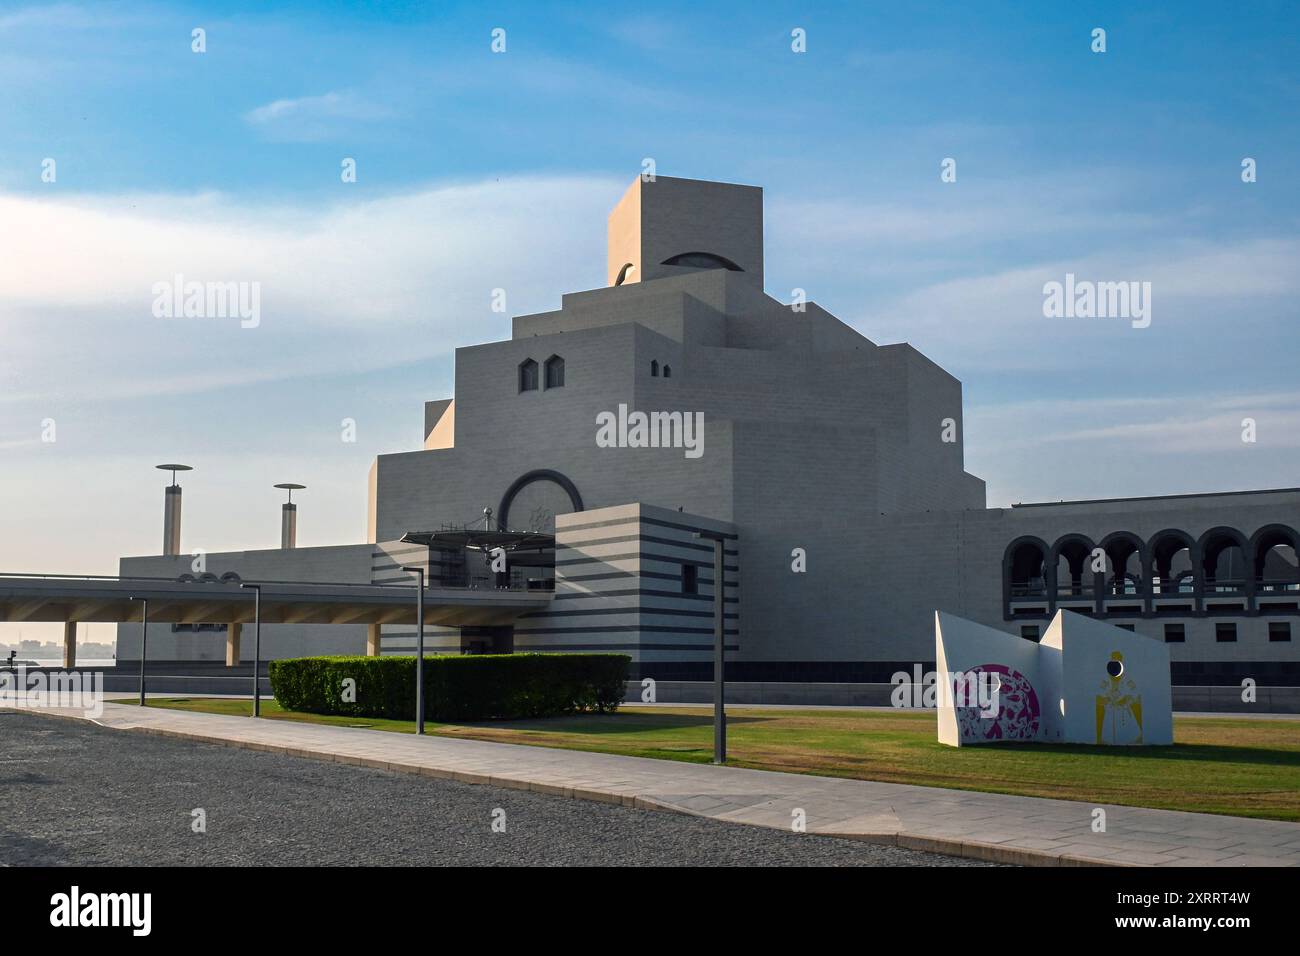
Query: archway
[1224,566]
[550,490]
[1024,567]
[1173,562]
[1072,560]
[1274,550]
[1125,563]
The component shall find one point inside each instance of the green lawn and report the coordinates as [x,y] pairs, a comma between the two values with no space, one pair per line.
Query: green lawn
[1218,765]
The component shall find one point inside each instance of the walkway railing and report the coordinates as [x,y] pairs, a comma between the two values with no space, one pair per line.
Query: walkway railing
[460,582]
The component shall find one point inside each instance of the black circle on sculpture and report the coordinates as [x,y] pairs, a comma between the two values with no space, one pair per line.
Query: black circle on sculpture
[1114,668]
[528,478]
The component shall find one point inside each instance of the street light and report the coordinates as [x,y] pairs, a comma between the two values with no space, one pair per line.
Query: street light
[719,684]
[257,646]
[144,642]
[419,651]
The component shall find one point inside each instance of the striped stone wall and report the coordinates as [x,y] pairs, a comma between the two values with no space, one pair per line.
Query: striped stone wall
[619,586]
[387,560]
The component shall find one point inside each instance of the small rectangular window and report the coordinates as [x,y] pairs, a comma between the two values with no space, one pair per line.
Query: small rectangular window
[1029,632]
[1175,634]
[1127,627]
[690,579]
[1279,631]
[1225,633]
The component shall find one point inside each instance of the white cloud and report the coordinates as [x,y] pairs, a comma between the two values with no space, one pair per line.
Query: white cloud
[997,318]
[1196,433]
[393,282]
[1106,447]
[59,16]
[1169,424]
[333,105]
[310,118]
[646,32]
[366,283]
[989,211]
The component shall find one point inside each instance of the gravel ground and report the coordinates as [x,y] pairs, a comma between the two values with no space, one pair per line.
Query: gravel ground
[77,794]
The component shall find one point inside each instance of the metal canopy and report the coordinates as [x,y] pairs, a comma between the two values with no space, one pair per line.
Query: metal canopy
[117,599]
[477,540]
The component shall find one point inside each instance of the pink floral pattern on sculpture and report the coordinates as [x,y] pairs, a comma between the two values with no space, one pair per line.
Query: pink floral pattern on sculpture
[1018,709]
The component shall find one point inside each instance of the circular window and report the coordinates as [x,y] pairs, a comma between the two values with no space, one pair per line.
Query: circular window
[1114,668]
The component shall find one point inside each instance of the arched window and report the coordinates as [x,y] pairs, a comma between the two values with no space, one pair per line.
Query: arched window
[527,376]
[702,260]
[1224,565]
[654,368]
[1025,565]
[668,371]
[555,372]
[624,272]
[1071,557]
[1274,548]
[1172,568]
[1123,557]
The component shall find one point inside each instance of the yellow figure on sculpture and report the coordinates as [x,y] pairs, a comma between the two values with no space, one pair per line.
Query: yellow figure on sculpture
[1119,706]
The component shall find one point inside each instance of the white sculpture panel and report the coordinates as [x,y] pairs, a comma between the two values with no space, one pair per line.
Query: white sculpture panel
[1087,682]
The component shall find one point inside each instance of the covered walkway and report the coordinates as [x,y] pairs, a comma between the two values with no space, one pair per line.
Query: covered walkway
[71,599]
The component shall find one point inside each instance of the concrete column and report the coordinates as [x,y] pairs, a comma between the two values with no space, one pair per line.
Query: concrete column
[232,644]
[373,640]
[289,526]
[172,520]
[69,644]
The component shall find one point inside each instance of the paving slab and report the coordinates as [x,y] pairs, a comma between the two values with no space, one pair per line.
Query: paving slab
[989,826]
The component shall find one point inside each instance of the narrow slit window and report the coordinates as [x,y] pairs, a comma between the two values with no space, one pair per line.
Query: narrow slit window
[690,579]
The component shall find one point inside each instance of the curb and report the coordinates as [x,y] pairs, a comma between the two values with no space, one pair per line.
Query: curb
[987,852]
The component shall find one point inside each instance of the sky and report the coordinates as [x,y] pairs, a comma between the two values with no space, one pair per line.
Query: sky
[479,170]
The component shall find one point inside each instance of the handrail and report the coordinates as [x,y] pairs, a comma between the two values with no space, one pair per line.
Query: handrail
[123,579]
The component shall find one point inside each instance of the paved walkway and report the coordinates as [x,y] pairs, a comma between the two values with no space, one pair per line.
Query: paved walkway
[1010,829]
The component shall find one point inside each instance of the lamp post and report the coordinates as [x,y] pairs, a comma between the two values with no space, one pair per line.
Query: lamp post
[289,516]
[144,642]
[257,646]
[172,511]
[719,683]
[419,650]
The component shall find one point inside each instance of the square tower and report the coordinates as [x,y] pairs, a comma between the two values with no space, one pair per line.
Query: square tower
[669,226]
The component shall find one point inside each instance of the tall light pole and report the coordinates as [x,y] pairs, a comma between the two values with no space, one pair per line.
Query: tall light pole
[144,642]
[419,651]
[172,511]
[257,646]
[719,683]
[289,516]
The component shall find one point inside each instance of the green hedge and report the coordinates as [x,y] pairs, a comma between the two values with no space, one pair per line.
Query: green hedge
[471,687]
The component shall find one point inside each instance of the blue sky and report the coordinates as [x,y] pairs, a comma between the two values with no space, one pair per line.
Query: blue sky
[479,170]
